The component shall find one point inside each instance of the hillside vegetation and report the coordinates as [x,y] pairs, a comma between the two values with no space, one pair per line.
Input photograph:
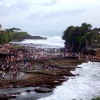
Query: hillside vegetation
[16,35]
[9,36]
[5,38]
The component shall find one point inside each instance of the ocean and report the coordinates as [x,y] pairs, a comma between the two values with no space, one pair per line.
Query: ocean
[51,42]
[84,86]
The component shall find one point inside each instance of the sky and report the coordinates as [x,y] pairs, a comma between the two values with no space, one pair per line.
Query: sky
[48,16]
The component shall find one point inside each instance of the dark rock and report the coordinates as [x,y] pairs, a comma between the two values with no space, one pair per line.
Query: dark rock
[4,97]
[13,82]
[49,86]
[12,96]
[78,67]
[28,91]
[42,90]
[27,37]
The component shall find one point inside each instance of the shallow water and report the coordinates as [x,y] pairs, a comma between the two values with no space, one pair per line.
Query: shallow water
[22,94]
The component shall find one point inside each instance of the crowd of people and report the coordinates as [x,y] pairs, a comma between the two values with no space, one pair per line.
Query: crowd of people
[32,53]
[49,66]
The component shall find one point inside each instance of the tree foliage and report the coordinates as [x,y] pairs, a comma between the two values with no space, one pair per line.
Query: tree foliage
[11,33]
[13,29]
[5,38]
[77,38]
[98,98]
[16,35]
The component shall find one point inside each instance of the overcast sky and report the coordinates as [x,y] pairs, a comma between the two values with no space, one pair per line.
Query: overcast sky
[48,15]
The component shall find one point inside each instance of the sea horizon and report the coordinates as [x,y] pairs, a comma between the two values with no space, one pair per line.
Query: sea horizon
[46,33]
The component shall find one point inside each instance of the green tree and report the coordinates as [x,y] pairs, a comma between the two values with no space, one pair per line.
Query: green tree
[3,38]
[77,38]
[9,37]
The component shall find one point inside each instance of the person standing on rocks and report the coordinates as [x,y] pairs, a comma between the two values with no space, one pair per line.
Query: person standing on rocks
[14,73]
[3,75]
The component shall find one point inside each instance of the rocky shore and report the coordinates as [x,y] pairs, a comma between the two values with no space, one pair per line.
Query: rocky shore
[28,36]
[38,76]
[45,79]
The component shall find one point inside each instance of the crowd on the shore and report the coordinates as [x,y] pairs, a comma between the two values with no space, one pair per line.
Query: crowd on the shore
[32,53]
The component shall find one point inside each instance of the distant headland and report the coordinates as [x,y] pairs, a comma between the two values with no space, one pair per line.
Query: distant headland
[21,37]
[15,34]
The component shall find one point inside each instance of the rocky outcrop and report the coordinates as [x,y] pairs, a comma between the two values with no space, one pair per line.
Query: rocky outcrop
[28,36]
[42,80]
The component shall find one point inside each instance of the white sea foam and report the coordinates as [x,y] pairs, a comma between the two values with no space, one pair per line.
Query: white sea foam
[51,41]
[23,94]
[55,41]
[85,86]
[57,37]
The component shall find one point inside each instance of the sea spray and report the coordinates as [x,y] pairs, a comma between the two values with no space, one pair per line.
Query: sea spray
[85,86]
[51,42]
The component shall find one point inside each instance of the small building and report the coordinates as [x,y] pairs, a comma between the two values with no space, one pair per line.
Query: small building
[2,31]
